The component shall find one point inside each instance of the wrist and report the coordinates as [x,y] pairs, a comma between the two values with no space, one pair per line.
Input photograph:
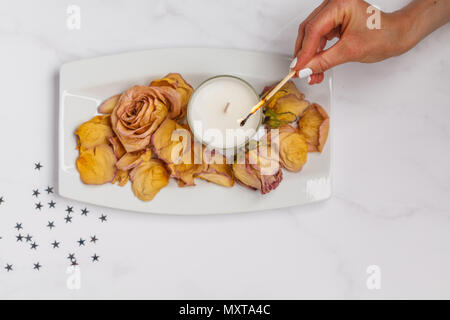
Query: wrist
[401,27]
[420,18]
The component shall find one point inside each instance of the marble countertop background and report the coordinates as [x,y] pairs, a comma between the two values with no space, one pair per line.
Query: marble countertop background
[391,202]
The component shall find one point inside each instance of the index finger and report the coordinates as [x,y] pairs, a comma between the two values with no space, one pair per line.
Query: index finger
[318,27]
[301,28]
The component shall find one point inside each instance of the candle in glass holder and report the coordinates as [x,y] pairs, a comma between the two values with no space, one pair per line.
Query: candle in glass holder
[214,111]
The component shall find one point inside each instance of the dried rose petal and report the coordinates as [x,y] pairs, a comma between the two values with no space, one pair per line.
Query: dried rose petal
[108,105]
[244,175]
[121,178]
[148,178]
[117,146]
[290,107]
[94,132]
[260,170]
[314,125]
[97,165]
[216,170]
[132,159]
[288,88]
[293,148]
[185,173]
[176,81]
[172,143]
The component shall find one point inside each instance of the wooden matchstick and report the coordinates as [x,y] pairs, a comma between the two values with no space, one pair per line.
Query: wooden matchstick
[302,74]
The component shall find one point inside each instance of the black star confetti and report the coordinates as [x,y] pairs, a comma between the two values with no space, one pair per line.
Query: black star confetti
[37,266]
[94,239]
[69,209]
[55,244]
[49,190]
[103,218]
[18,226]
[19,238]
[81,242]
[68,219]
[74,263]
[34,245]
[84,212]
[51,204]
[71,256]
[9,267]
[36,193]
[28,238]
[38,206]
[2,200]
[95,257]
[38,166]
[51,224]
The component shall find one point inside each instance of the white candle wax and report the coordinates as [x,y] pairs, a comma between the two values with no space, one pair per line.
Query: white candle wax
[215,108]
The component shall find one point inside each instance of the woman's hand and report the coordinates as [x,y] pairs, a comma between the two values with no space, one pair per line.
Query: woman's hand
[348,20]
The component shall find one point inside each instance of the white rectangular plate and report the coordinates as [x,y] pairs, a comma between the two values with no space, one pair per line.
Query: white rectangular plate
[85,84]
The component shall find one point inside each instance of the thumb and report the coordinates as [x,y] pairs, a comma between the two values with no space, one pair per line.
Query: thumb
[329,58]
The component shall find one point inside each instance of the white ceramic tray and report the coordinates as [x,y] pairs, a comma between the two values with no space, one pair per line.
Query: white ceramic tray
[85,84]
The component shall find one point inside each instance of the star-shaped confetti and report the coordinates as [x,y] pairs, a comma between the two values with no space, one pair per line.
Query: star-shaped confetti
[9,267]
[84,212]
[38,206]
[71,256]
[28,238]
[103,218]
[37,266]
[18,226]
[94,239]
[55,244]
[49,190]
[19,237]
[69,209]
[34,246]
[95,257]
[2,200]
[81,242]
[51,204]
[68,219]
[51,225]
[74,263]
[38,166]
[36,193]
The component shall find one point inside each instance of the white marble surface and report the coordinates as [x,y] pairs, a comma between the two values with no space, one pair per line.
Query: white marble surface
[391,203]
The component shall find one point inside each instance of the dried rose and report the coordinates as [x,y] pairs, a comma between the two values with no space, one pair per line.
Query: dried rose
[139,112]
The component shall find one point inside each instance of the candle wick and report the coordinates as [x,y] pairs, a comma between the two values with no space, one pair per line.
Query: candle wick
[226,107]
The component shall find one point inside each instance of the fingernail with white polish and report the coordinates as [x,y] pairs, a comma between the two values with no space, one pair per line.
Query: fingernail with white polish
[309,80]
[305,73]
[293,63]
